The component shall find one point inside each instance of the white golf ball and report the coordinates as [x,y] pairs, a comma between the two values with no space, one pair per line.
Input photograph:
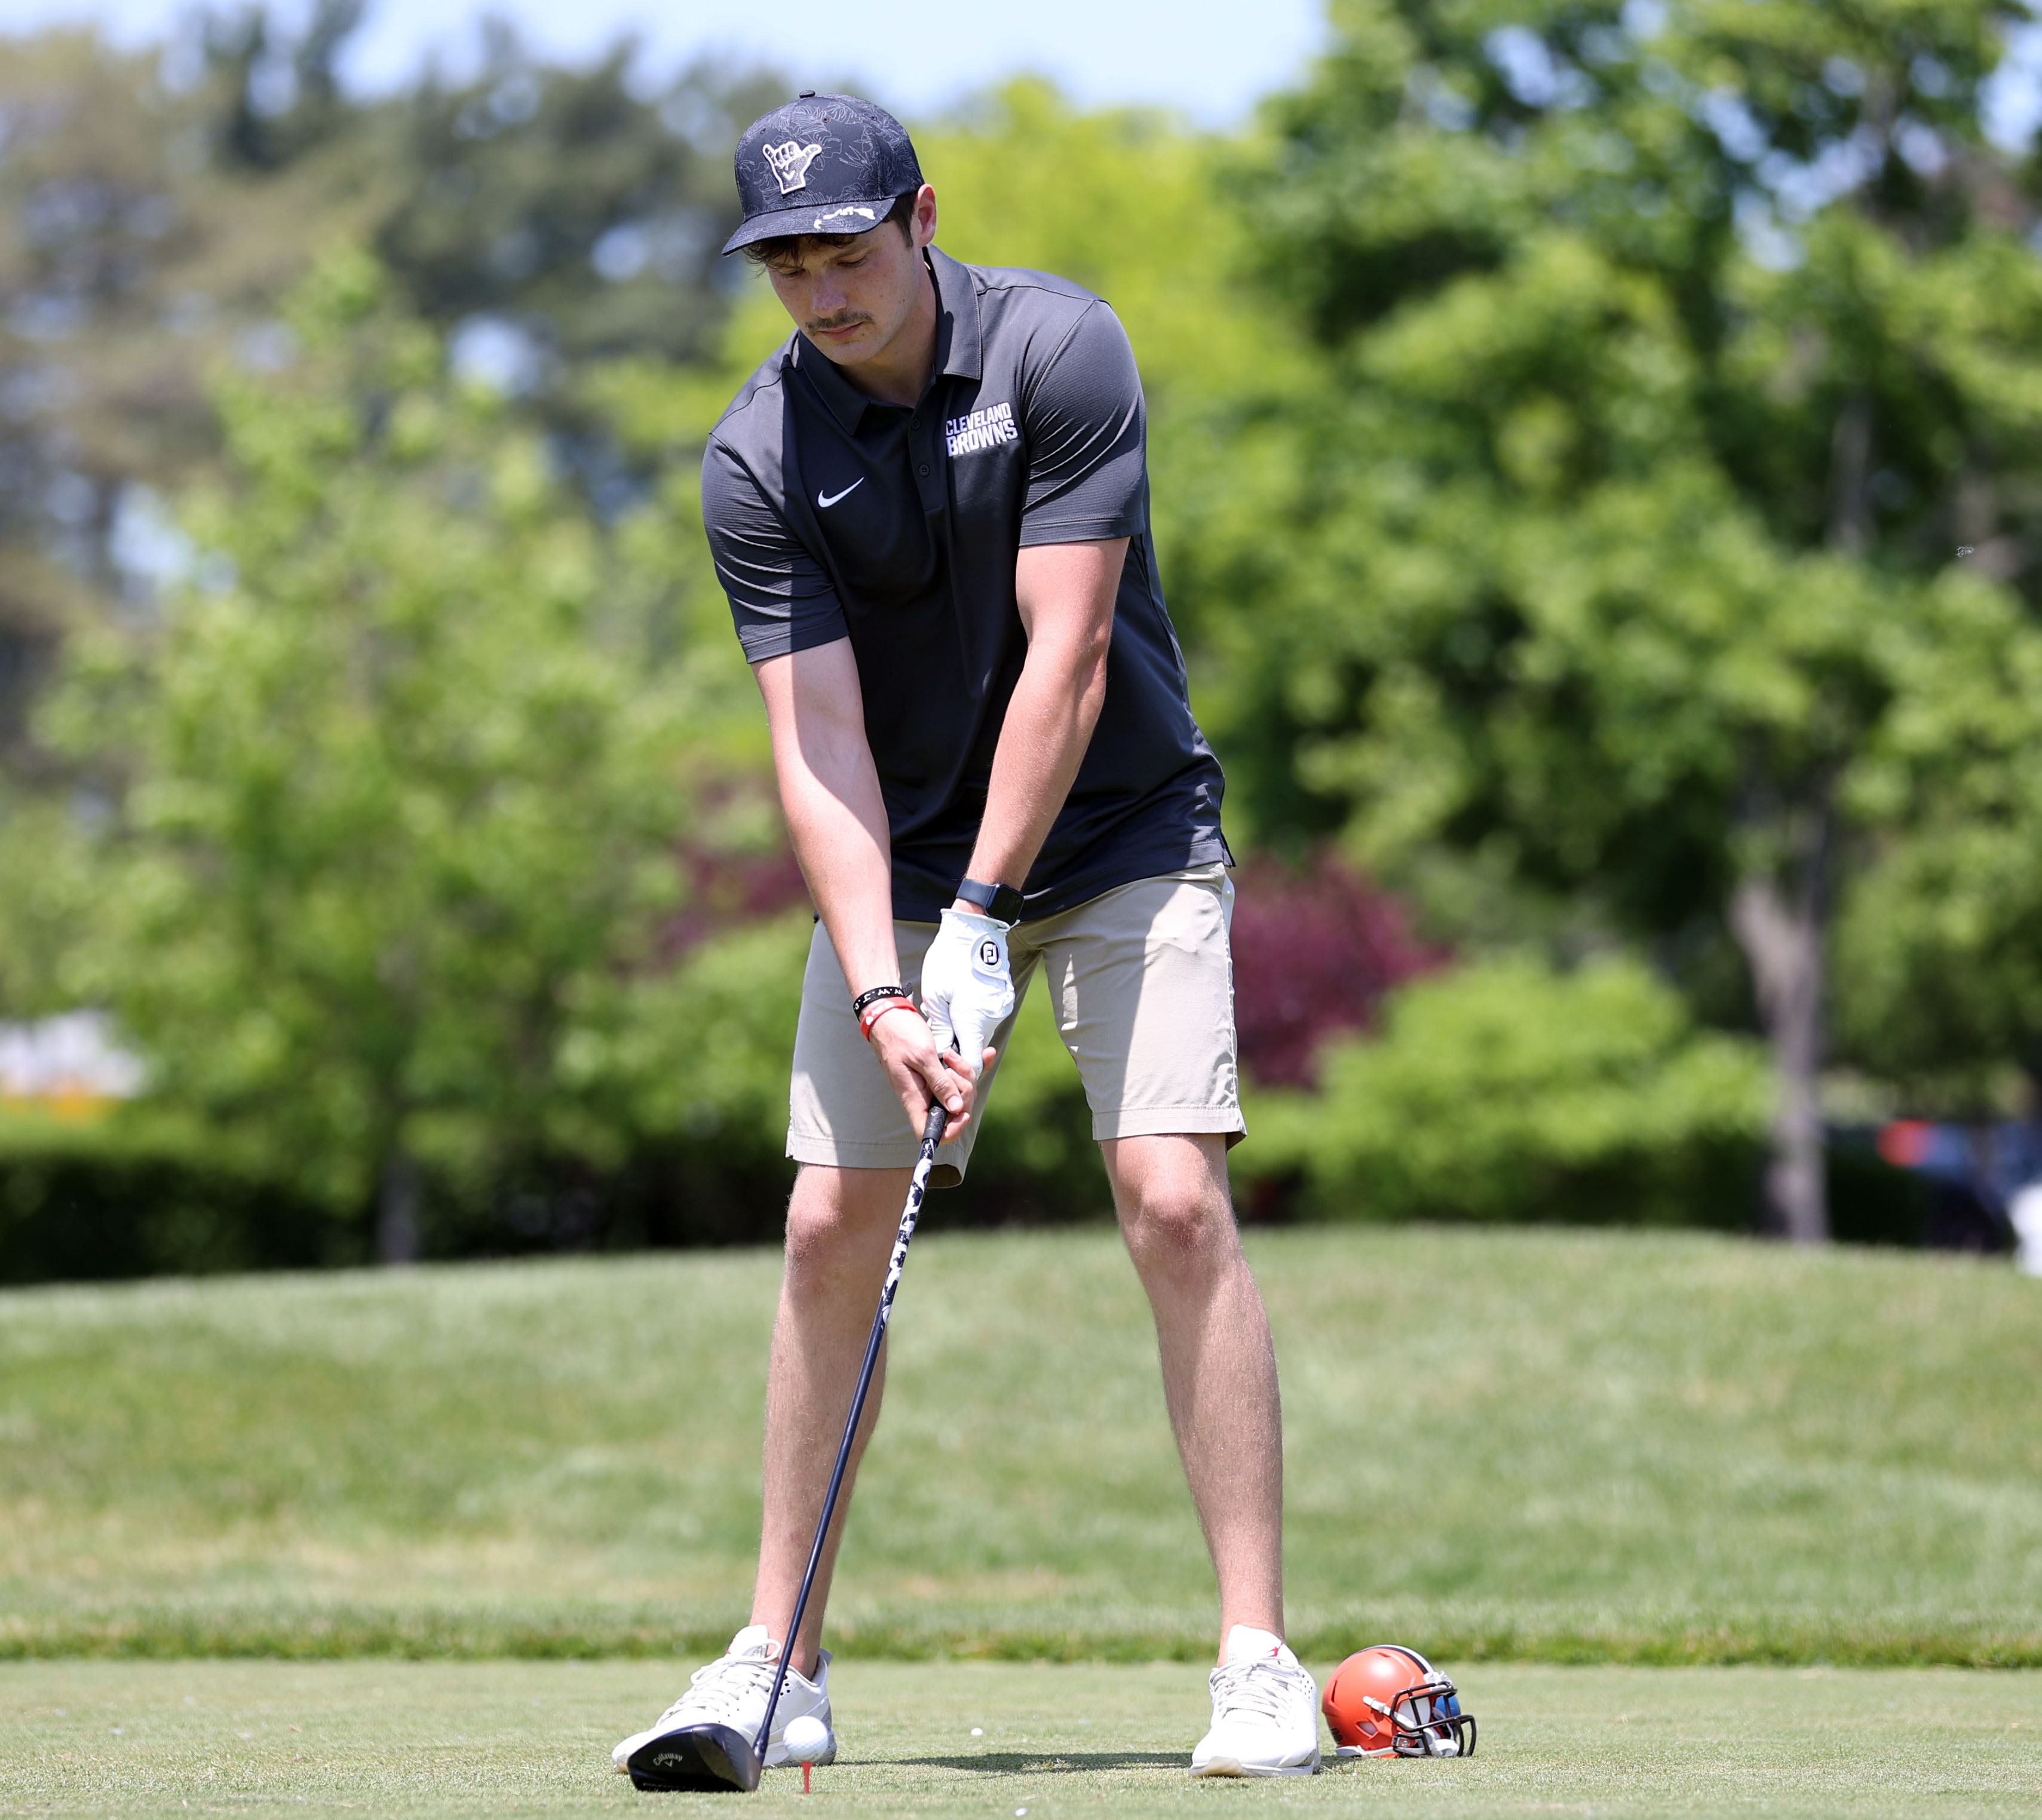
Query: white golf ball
[807,1737]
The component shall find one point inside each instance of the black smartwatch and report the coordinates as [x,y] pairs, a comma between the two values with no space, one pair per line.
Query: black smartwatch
[1001,902]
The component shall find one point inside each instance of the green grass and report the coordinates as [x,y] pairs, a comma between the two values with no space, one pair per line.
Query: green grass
[1566,1446]
[511,1738]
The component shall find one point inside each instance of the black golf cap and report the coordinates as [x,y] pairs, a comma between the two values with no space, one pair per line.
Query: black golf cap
[822,164]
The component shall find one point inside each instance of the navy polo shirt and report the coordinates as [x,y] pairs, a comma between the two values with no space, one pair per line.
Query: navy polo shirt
[831,515]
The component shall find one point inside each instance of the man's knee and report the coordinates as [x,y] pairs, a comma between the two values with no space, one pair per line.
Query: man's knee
[1180,1240]
[1171,1197]
[837,1217]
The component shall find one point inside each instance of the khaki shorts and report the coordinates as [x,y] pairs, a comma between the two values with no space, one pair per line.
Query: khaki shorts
[1143,980]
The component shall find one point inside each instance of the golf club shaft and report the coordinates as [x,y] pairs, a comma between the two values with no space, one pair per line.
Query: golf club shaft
[932,1135]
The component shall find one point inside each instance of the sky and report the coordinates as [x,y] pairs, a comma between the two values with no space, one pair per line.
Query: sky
[1211,59]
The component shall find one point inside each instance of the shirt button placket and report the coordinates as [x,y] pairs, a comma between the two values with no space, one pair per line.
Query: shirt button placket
[923,442]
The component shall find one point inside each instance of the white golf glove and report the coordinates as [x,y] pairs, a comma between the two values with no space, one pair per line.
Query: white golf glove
[966,991]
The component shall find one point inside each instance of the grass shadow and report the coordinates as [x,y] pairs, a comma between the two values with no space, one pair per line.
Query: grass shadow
[1043,1762]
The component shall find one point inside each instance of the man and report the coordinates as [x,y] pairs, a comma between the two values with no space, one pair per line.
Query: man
[930,510]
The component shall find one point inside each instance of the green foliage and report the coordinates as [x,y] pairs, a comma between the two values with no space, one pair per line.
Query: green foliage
[709,1056]
[1662,395]
[1501,1090]
[402,800]
[1643,1447]
[48,883]
[1564,516]
[1153,236]
[1939,949]
[1586,561]
[157,205]
[1122,202]
[129,261]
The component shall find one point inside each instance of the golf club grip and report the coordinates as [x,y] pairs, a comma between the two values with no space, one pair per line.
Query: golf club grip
[932,1135]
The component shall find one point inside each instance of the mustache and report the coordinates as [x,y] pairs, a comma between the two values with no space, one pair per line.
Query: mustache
[816,324]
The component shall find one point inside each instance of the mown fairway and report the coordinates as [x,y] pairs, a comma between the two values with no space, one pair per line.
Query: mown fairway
[533,1738]
[1657,1448]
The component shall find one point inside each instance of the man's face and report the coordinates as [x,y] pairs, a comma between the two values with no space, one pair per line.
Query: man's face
[853,301]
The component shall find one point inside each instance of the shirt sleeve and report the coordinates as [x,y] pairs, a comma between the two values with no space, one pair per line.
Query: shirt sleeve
[780,597]
[1087,432]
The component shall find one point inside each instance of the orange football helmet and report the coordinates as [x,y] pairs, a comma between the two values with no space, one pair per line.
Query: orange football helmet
[1389,1701]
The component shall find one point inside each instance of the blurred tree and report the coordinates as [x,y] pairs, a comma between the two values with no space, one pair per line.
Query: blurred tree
[571,204]
[1502,1090]
[1669,352]
[399,784]
[1939,947]
[279,95]
[131,257]
[1123,202]
[156,207]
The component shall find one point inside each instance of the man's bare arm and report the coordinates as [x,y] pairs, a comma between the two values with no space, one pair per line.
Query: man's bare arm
[1065,593]
[829,793]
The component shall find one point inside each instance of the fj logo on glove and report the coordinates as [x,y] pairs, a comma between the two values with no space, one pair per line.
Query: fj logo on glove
[965,984]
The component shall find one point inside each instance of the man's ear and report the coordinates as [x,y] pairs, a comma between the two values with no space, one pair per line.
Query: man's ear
[925,216]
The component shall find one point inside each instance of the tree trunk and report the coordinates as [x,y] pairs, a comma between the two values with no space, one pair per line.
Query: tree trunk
[1781,931]
[1779,911]
[397,1197]
[1850,477]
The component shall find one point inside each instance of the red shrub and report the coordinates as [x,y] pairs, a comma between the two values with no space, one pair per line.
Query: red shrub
[725,890]
[1313,953]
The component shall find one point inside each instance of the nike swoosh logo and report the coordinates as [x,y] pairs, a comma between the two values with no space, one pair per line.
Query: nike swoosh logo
[828,499]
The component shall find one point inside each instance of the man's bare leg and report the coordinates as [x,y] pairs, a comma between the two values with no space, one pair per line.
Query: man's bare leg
[840,1229]
[1219,1368]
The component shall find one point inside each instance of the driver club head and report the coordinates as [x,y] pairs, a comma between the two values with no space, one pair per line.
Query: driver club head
[699,1757]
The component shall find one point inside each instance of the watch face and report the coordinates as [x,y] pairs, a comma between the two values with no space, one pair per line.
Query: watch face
[1001,902]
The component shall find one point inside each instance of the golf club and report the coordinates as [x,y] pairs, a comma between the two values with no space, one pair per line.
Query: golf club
[719,1756]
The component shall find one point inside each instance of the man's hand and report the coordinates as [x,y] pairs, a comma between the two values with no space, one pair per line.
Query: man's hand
[967,993]
[921,1074]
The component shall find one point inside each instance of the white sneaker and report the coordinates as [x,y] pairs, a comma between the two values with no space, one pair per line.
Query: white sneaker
[1265,1712]
[733,1690]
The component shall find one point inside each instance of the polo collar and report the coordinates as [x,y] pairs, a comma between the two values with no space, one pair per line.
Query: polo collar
[956,343]
[956,317]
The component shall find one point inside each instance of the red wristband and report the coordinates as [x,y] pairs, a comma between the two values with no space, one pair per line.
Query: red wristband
[873,1013]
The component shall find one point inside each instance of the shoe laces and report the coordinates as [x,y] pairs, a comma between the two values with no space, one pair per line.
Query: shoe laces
[1265,1691]
[717,1690]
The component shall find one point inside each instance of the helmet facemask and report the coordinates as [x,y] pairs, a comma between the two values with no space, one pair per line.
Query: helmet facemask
[1426,1719]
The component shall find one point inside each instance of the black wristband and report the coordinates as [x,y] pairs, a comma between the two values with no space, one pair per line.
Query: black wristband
[878,992]
[1001,902]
